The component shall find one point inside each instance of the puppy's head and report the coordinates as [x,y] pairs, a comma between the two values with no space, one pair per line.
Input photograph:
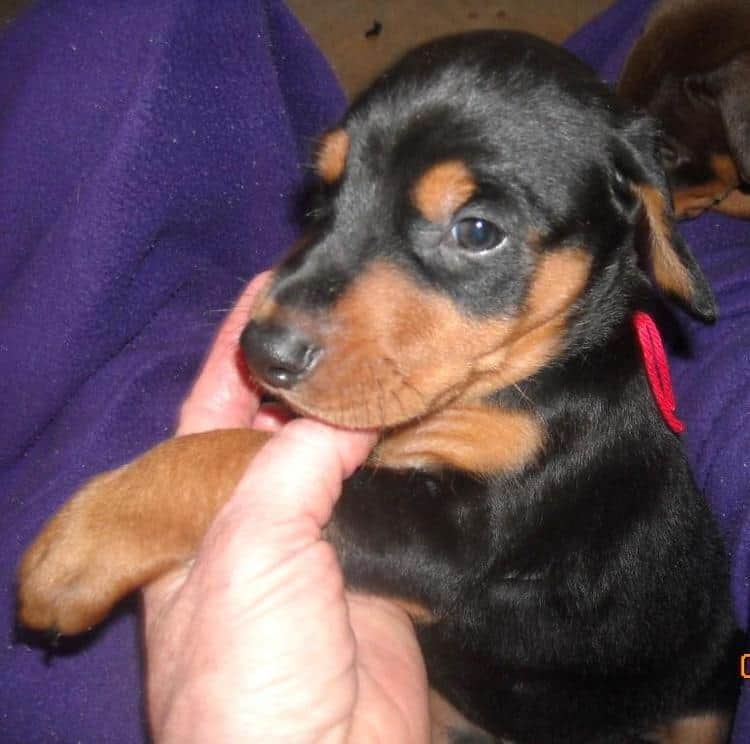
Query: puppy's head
[690,70]
[478,203]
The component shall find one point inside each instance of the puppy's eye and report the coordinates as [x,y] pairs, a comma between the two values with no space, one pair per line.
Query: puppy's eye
[477,235]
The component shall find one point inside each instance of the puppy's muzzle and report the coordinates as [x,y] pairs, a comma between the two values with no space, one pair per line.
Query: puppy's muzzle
[280,356]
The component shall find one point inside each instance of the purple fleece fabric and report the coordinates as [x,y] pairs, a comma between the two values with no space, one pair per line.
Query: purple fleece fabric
[712,382]
[150,154]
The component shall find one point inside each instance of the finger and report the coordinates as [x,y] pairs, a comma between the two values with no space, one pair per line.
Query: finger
[272,416]
[293,482]
[222,396]
[299,473]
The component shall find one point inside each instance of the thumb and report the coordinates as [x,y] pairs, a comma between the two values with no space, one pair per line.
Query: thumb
[298,474]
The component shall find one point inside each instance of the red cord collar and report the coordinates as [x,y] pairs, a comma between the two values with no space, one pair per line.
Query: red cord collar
[657,369]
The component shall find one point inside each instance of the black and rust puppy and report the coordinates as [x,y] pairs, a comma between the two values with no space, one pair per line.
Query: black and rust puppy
[467,287]
[691,70]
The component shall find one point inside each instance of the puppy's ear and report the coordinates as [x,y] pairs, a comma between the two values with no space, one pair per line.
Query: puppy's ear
[729,87]
[673,267]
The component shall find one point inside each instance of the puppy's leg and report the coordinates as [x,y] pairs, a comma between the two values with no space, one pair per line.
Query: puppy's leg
[735,204]
[128,526]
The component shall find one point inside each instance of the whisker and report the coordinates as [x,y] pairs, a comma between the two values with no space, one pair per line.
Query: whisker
[348,412]
[365,399]
[395,394]
[405,382]
[505,365]
[523,394]
[218,310]
[381,395]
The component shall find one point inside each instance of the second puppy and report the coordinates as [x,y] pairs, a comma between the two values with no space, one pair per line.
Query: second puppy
[691,70]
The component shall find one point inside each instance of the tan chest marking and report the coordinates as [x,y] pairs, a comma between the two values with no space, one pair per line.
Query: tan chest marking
[478,439]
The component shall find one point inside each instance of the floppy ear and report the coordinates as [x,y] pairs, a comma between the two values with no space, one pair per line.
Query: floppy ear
[730,88]
[674,269]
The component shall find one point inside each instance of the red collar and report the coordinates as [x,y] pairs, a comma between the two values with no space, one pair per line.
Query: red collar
[657,368]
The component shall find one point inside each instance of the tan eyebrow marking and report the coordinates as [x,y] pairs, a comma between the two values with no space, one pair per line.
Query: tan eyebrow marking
[442,189]
[332,154]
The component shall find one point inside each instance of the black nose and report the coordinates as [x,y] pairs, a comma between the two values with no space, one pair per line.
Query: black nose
[277,354]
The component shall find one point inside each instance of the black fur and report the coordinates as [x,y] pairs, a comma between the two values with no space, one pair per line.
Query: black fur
[585,598]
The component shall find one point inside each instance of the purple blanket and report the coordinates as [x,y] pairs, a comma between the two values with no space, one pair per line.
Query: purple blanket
[150,155]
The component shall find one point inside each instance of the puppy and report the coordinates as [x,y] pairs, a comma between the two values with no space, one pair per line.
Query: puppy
[691,70]
[468,287]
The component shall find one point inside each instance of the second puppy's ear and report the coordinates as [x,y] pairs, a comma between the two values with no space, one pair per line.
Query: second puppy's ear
[729,86]
[673,267]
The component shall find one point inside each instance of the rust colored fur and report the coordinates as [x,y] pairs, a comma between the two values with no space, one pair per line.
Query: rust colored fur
[332,154]
[669,271]
[443,189]
[148,516]
[476,439]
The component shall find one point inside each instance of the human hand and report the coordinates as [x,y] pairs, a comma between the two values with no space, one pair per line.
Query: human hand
[258,640]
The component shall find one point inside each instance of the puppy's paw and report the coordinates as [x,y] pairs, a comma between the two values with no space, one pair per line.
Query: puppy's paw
[129,526]
[81,563]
